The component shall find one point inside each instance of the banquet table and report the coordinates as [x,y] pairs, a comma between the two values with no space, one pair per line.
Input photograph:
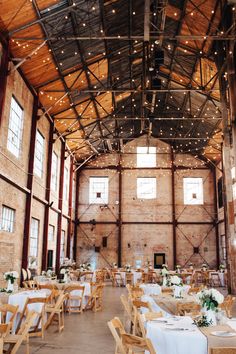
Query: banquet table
[178,335]
[151,289]
[20,298]
[169,304]
[136,276]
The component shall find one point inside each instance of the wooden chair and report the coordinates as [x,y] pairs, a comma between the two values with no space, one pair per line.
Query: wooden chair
[118,280]
[75,298]
[134,344]
[5,329]
[15,340]
[117,329]
[148,316]
[137,305]
[1,345]
[222,350]
[227,305]
[37,329]
[214,279]
[56,312]
[128,309]
[30,285]
[188,308]
[28,274]
[136,292]
[88,276]
[95,300]
[7,308]
[47,286]
[129,278]
[24,274]
[167,291]
[195,289]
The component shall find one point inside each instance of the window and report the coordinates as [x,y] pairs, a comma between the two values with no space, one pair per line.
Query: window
[54,171]
[146,188]
[146,156]
[15,128]
[223,246]
[8,219]
[65,185]
[34,236]
[39,154]
[193,191]
[62,252]
[98,190]
[51,231]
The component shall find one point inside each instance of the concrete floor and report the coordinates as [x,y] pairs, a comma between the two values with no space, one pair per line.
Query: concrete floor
[84,333]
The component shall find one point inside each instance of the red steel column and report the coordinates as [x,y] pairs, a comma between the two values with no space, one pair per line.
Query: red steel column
[76,214]
[3,75]
[69,230]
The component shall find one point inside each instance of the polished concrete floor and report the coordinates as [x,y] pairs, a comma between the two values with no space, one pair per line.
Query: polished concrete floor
[85,333]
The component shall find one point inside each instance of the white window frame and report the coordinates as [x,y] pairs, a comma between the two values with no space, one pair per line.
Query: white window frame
[15,128]
[65,183]
[39,154]
[193,191]
[146,156]
[34,237]
[8,219]
[51,233]
[62,248]
[146,188]
[98,184]
[54,174]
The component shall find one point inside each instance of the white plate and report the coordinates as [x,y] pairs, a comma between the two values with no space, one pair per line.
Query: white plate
[223,334]
[179,329]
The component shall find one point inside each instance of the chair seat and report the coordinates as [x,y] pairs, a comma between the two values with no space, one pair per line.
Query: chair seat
[11,338]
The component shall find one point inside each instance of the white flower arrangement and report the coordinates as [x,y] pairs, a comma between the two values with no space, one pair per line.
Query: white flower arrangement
[127,267]
[64,271]
[164,271]
[175,280]
[12,276]
[204,266]
[84,267]
[177,266]
[114,265]
[222,267]
[209,298]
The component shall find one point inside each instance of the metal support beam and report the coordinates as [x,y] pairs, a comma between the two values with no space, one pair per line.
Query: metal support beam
[173,208]
[60,204]
[76,214]
[3,76]
[28,204]
[69,229]
[216,218]
[47,198]
[120,214]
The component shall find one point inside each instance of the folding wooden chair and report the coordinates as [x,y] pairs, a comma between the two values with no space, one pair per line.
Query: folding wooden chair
[129,278]
[88,276]
[30,285]
[188,309]
[37,329]
[196,289]
[136,292]
[148,316]
[117,329]
[75,298]
[137,305]
[7,308]
[1,345]
[15,340]
[56,312]
[118,279]
[5,329]
[134,344]
[227,305]
[24,274]
[127,307]
[214,279]
[223,350]
[95,300]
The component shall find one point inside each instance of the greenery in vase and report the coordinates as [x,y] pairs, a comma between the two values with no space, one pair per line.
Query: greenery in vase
[210,298]
[12,276]
[203,322]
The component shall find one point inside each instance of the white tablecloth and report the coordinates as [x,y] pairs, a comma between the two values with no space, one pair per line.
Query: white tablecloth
[151,289]
[136,276]
[166,340]
[20,300]
[87,293]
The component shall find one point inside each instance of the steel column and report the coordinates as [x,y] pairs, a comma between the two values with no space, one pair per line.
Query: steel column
[174,224]
[216,218]
[47,198]
[69,229]
[119,221]
[60,204]
[3,76]
[28,204]
[76,214]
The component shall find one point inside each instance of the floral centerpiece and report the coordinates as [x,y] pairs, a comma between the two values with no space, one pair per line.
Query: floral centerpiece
[127,268]
[204,267]
[177,283]
[11,277]
[177,268]
[222,268]
[164,274]
[191,266]
[210,299]
[114,265]
[66,273]
[83,267]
